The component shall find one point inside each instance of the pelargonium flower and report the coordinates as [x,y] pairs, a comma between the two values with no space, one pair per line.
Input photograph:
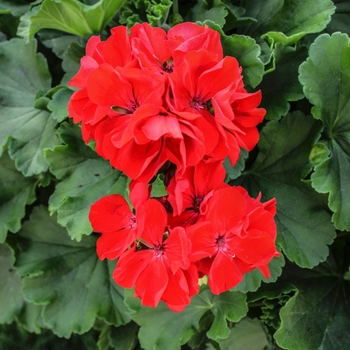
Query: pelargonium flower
[163,52]
[237,235]
[205,90]
[113,218]
[183,76]
[115,51]
[188,194]
[159,266]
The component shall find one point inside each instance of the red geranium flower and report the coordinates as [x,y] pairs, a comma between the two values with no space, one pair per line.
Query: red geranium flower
[156,267]
[230,242]
[189,193]
[112,217]
[210,92]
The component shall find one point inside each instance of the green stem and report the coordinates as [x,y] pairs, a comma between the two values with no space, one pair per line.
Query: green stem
[175,7]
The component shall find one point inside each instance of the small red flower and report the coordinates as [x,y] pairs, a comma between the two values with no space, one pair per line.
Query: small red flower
[112,217]
[156,266]
[188,194]
[231,242]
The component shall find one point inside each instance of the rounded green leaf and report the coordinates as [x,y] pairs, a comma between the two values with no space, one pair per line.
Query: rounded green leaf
[16,191]
[85,176]
[23,72]
[325,77]
[293,18]
[66,277]
[318,315]
[70,16]
[162,328]
[11,299]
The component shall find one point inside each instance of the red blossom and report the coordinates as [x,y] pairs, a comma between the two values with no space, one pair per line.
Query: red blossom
[156,270]
[156,101]
[112,217]
[189,193]
[231,242]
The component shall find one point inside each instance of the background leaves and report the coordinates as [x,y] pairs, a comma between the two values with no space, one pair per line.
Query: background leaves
[50,277]
[70,16]
[85,176]
[304,227]
[27,129]
[66,277]
[330,94]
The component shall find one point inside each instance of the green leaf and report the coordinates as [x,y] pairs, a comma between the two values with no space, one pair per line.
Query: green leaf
[318,315]
[58,41]
[71,61]
[11,299]
[158,188]
[59,104]
[215,13]
[326,79]
[341,18]
[29,317]
[86,178]
[155,12]
[246,51]
[16,191]
[235,17]
[123,337]
[234,172]
[282,86]
[66,277]
[252,280]
[16,8]
[319,153]
[247,334]
[303,224]
[13,337]
[287,21]
[23,72]
[70,16]
[165,329]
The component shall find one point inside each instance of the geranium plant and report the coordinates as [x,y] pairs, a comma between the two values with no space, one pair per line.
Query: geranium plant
[175,174]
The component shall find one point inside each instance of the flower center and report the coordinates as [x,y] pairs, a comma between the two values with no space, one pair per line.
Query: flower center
[168,66]
[158,250]
[197,203]
[130,109]
[221,244]
[132,221]
[199,104]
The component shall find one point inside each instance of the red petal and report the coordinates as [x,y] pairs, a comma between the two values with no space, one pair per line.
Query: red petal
[110,214]
[265,271]
[130,265]
[116,49]
[151,222]
[112,244]
[139,193]
[152,282]
[224,274]
[87,65]
[226,210]
[106,88]
[176,294]
[176,250]
[203,240]
[256,249]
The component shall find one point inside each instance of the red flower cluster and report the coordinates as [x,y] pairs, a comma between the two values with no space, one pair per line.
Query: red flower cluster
[157,102]
[151,97]
[203,227]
